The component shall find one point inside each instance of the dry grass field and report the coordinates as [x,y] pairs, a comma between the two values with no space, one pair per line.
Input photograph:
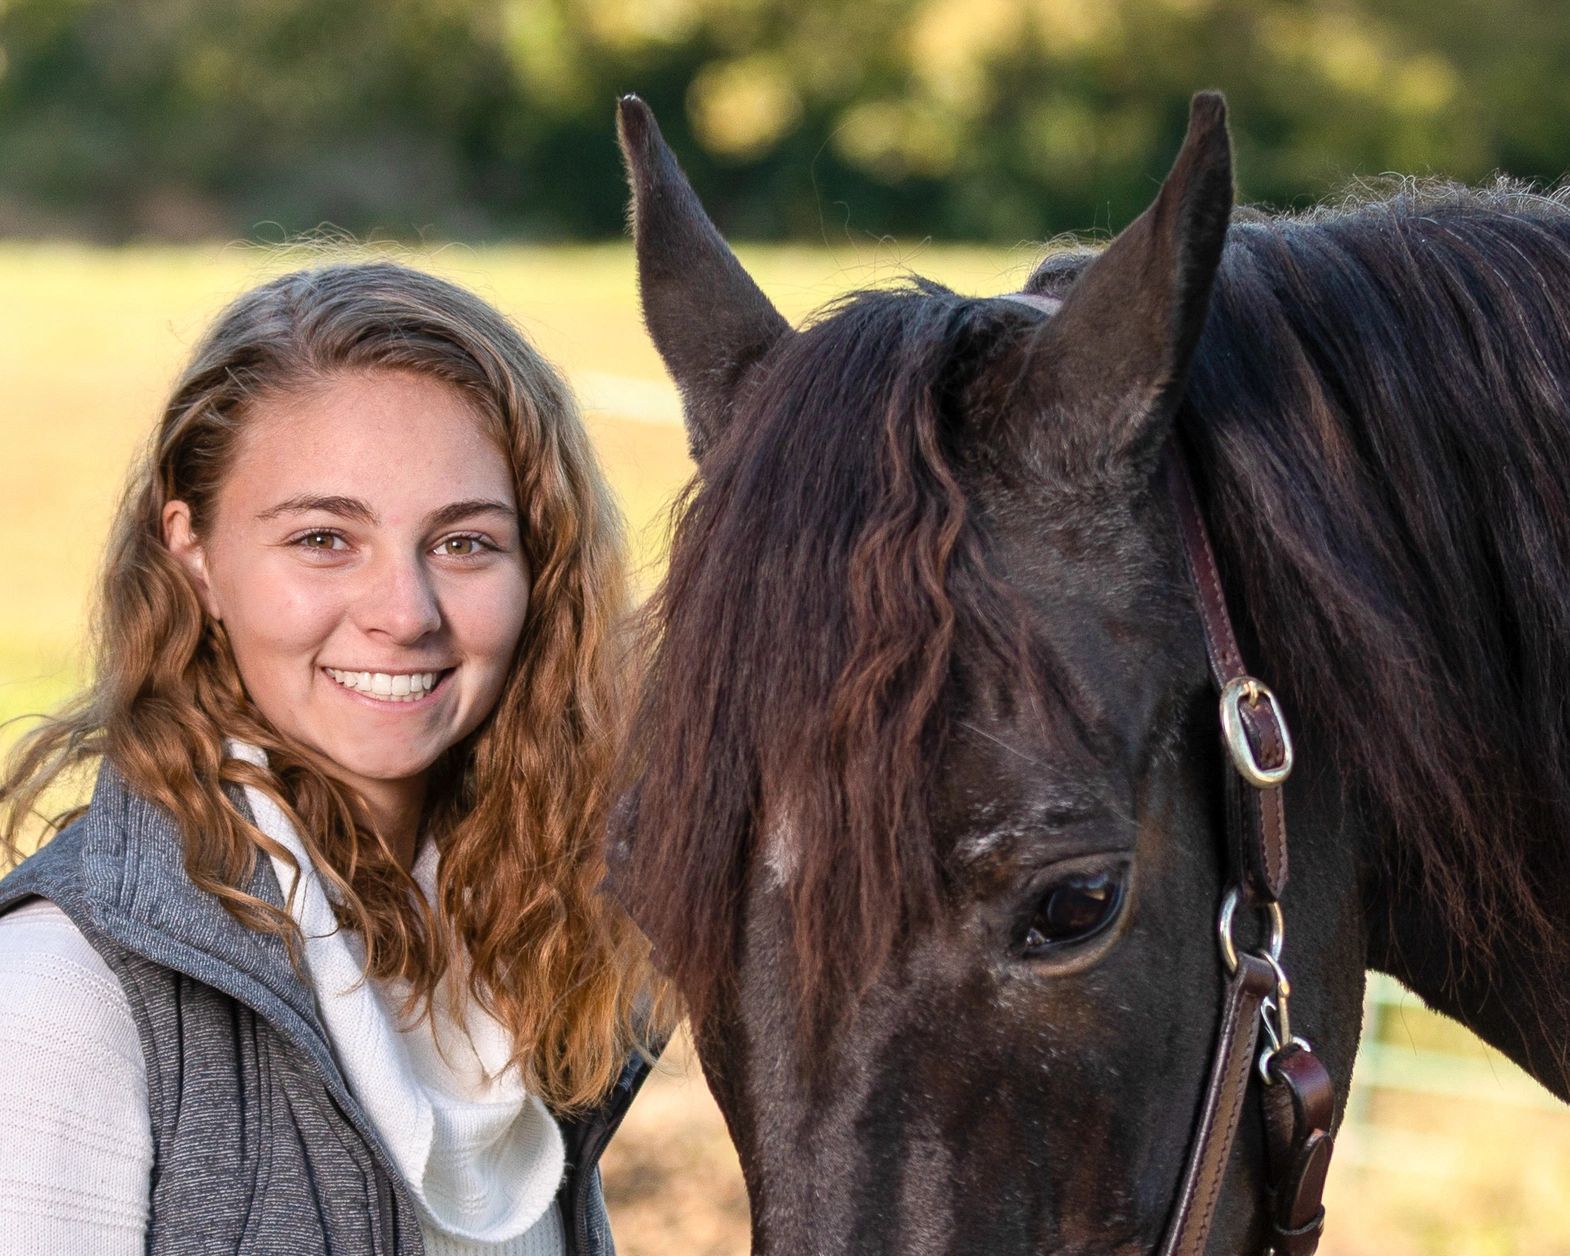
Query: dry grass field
[89,340]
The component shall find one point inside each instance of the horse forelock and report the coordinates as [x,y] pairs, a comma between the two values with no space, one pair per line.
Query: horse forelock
[824,577]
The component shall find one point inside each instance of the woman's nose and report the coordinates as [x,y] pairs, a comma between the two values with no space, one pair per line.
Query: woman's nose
[398,601]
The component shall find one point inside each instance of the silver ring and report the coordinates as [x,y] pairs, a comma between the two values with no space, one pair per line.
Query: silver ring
[1278,930]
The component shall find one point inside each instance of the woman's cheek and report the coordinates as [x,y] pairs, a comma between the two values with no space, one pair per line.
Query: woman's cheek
[492,613]
[487,620]
[277,621]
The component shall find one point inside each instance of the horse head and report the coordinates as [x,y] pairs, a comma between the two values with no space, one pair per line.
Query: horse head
[925,806]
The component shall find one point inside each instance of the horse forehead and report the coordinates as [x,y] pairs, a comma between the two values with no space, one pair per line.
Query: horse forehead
[1105,598]
[999,784]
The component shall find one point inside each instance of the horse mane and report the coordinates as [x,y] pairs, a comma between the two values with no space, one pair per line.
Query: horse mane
[825,572]
[1379,417]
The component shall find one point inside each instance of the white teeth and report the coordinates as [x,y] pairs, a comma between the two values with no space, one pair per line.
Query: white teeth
[388,686]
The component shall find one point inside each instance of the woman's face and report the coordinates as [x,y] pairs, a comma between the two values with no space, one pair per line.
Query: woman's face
[364,557]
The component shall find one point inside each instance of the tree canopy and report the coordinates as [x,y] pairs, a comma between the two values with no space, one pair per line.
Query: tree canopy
[997,120]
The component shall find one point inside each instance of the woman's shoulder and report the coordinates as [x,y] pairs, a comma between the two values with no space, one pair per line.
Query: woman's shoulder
[75,1138]
[119,853]
[38,926]
[93,843]
[57,994]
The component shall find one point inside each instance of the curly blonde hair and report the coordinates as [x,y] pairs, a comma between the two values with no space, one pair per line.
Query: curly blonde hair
[518,809]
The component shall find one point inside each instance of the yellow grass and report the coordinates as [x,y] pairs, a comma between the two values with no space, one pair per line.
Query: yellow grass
[89,341]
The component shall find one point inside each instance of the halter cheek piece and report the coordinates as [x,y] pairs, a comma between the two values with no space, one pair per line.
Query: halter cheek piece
[1296,1092]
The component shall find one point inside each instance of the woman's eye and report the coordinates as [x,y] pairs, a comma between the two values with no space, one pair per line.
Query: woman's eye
[1073,909]
[461,546]
[321,541]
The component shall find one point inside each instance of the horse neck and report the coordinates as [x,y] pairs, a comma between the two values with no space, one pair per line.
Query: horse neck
[1510,996]
[1508,986]
[1392,515]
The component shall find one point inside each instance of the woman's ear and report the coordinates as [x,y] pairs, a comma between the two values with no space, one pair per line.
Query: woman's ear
[180,540]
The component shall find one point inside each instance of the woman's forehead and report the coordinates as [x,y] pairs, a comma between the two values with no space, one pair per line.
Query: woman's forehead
[400,442]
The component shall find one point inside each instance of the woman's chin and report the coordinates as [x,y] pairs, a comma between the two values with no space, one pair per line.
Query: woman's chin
[378,773]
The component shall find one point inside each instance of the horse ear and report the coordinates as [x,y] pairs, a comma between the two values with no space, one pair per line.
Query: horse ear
[1118,350]
[708,319]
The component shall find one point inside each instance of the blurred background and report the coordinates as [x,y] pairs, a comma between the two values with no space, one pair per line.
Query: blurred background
[157,157]
[995,120]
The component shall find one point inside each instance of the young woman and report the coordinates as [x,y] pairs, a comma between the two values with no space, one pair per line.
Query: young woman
[324,966]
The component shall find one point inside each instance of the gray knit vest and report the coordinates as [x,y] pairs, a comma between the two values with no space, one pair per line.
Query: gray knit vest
[259,1148]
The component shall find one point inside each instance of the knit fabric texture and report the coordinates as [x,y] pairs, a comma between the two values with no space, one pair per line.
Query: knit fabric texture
[76,1146]
[482,1157]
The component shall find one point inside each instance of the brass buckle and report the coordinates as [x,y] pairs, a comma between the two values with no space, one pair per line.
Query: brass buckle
[1238,690]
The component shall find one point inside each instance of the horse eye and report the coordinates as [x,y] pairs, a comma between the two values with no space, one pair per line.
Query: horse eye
[1074,909]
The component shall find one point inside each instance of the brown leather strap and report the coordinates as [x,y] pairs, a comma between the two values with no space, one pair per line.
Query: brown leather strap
[1257,824]
[1299,1102]
[1298,1111]
[1188,1232]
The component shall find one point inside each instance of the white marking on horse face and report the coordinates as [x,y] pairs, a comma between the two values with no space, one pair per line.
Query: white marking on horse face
[781,848]
[1015,824]
[1004,837]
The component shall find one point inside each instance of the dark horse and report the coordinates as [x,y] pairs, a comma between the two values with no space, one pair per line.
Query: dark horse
[924,805]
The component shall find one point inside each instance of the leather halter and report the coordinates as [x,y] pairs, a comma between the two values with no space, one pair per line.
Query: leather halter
[1296,1092]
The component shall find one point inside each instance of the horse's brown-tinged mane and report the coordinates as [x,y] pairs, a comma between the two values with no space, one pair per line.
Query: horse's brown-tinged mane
[825,573]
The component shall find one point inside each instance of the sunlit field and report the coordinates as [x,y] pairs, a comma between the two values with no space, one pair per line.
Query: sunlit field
[1451,1154]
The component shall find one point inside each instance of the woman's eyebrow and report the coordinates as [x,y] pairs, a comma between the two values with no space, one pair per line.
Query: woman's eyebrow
[354,508]
[454,511]
[345,507]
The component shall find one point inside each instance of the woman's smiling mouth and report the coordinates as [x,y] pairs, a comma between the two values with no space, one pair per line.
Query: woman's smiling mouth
[389,686]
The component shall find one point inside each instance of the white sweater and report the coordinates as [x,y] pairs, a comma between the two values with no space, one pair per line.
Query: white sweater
[481,1157]
[76,1144]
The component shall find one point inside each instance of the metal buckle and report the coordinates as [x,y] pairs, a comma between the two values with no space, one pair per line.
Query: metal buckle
[1275,1014]
[1237,690]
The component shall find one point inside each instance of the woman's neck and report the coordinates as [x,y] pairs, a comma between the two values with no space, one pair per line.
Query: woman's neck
[402,830]
[396,809]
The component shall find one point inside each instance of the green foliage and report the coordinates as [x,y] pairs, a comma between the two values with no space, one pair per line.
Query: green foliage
[187,117]
[991,119]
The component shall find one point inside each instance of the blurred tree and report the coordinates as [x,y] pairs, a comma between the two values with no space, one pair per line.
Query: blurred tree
[995,119]
[1014,119]
[181,116]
